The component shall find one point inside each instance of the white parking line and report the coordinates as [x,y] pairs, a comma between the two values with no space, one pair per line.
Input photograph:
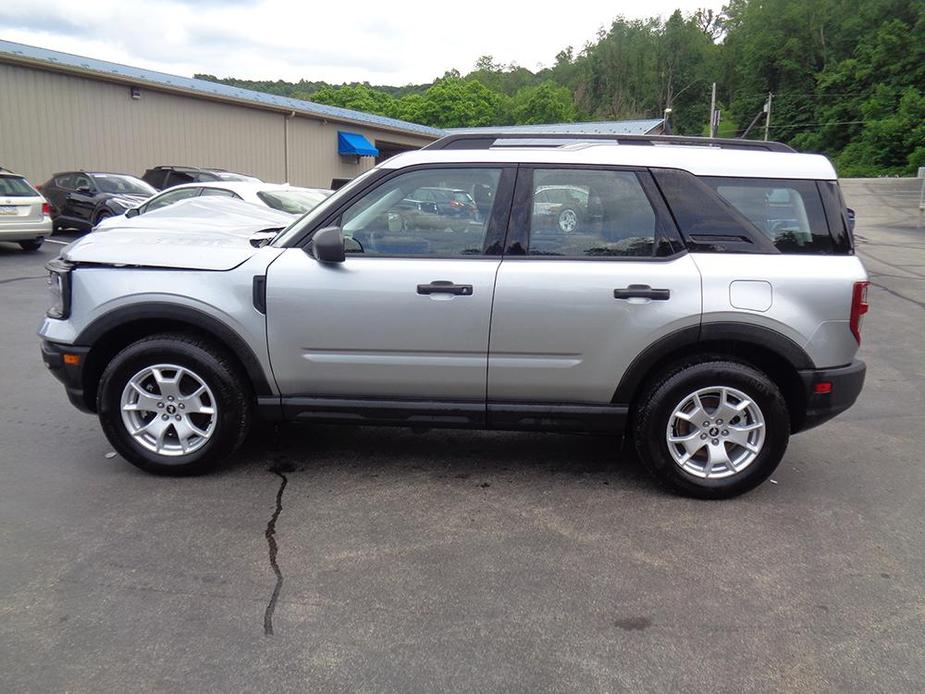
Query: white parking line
[60,243]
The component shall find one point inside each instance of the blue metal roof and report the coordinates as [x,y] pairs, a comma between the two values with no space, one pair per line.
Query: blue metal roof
[209,89]
[609,127]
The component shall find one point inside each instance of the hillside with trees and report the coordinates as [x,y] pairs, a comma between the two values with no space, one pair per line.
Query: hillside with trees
[847,78]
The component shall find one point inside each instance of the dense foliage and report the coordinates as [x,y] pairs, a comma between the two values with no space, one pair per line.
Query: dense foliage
[848,79]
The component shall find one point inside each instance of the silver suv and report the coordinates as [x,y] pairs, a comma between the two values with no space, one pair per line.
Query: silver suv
[708,303]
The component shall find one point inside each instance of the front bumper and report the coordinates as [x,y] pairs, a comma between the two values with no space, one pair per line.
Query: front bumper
[67,371]
[846,384]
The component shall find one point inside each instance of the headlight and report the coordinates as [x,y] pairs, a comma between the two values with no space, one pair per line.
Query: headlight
[59,288]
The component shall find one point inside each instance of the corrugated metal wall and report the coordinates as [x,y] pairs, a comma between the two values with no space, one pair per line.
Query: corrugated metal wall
[51,122]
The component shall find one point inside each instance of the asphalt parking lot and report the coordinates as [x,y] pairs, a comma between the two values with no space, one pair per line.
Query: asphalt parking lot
[461,561]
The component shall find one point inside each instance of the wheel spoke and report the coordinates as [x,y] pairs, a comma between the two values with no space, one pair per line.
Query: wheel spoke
[145,402]
[154,427]
[194,406]
[691,442]
[184,431]
[162,436]
[739,435]
[717,456]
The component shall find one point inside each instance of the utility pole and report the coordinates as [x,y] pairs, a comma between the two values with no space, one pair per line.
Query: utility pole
[713,112]
[767,119]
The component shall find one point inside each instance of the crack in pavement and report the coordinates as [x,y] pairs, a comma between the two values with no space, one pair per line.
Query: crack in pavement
[18,279]
[272,550]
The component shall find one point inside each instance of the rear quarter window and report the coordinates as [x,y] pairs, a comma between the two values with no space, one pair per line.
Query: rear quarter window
[789,213]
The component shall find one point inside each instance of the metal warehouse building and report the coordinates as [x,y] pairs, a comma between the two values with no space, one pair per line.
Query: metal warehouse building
[61,112]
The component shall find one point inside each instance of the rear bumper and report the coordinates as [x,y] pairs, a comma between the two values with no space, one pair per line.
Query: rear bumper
[12,229]
[846,384]
[70,374]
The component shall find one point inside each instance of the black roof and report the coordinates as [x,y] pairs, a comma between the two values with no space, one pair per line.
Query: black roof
[502,138]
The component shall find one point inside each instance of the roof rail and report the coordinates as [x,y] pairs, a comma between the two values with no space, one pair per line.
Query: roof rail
[502,138]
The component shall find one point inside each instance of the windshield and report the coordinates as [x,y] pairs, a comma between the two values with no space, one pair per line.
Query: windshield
[16,187]
[231,176]
[322,208]
[126,185]
[292,201]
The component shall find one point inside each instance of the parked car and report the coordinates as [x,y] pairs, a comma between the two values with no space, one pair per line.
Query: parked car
[24,213]
[82,199]
[563,206]
[164,177]
[710,334]
[208,214]
[289,199]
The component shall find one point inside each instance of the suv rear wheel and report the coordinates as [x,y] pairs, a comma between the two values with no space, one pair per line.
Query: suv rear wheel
[712,429]
[174,404]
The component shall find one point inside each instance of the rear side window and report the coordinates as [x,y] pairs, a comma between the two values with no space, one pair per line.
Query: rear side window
[155,177]
[16,187]
[586,213]
[178,178]
[219,192]
[788,212]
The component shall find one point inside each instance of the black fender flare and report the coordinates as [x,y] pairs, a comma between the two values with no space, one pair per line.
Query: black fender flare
[758,336]
[195,318]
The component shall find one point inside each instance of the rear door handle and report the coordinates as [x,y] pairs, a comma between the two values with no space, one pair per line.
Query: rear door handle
[642,291]
[445,287]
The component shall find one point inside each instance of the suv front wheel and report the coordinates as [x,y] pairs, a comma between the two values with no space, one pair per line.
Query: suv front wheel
[712,429]
[173,404]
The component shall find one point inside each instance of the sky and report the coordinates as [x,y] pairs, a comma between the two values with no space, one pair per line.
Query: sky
[393,43]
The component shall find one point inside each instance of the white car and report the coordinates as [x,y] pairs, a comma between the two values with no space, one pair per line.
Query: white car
[24,213]
[285,198]
[201,215]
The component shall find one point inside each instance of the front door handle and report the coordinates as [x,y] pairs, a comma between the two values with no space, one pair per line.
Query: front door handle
[445,287]
[641,291]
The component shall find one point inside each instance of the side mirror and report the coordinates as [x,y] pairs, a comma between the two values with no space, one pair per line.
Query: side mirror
[84,190]
[850,219]
[328,245]
[133,212]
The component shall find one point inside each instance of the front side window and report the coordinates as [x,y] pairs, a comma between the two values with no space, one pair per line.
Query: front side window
[579,213]
[788,212]
[394,220]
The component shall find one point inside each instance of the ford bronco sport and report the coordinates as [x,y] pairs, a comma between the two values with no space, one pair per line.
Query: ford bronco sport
[708,304]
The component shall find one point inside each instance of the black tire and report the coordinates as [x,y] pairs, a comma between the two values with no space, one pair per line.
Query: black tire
[32,245]
[105,214]
[212,364]
[652,416]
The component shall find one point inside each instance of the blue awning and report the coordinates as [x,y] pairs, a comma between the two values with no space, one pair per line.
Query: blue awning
[355,144]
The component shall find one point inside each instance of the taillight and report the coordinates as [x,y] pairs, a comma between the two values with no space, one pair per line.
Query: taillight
[859,307]
[46,209]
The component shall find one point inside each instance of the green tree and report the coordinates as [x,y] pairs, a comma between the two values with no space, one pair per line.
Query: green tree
[546,103]
[359,98]
[453,102]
